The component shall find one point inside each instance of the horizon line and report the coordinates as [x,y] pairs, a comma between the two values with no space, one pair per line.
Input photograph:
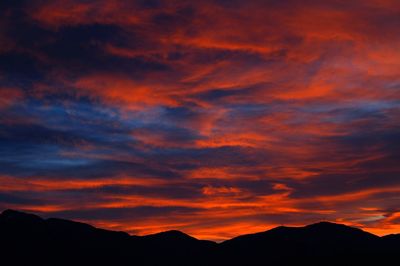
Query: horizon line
[191,235]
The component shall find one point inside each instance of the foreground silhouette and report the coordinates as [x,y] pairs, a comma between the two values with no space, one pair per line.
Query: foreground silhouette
[26,239]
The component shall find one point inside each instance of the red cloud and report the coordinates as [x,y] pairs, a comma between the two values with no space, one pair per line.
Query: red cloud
[10,97]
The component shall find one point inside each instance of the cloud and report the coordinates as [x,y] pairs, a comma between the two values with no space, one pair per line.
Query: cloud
[9,97]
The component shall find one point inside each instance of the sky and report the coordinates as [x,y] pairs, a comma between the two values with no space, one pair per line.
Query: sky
[214,117]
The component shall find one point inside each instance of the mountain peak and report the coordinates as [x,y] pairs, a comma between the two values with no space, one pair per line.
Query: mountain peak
[327,224]
[335,228]
[10,214]
[171,234]
[323,225]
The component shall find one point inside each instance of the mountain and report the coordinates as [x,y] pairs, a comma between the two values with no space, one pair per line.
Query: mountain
[177,247]
[391,243]
[185,241]
[26,239]
[322,242]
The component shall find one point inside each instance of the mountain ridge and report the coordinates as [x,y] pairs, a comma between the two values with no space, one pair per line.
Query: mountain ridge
[74,243]
[14,213]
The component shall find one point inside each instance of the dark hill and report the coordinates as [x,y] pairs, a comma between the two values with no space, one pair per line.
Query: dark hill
[26,239]
[322,242]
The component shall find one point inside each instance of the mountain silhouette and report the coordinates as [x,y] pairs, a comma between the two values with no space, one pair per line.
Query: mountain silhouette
[312,243]
[27,239]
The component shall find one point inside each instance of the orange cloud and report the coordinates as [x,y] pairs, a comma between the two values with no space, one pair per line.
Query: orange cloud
[48,184]
[119,89]
[209,190]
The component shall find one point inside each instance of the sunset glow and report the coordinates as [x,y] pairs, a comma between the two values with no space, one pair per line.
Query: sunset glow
[217,118]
